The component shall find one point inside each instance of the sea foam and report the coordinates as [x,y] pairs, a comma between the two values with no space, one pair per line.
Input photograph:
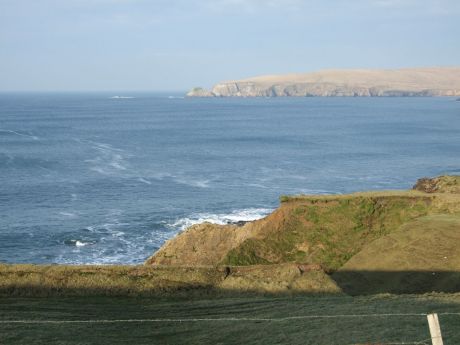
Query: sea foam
[246,215]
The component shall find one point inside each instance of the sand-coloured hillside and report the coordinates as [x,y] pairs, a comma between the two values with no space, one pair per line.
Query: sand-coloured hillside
[435,81]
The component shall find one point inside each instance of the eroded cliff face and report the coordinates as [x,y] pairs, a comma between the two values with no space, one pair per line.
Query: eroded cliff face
[308,230]
[391,240]
[200,245]
[346,83]
[247,89]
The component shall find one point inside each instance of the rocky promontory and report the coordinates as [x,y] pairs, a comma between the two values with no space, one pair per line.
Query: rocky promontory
[409,82]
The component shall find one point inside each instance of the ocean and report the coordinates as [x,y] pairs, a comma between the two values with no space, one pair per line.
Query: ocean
[89,178]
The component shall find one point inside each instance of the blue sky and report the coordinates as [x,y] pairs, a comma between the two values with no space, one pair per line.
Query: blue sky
[52,45]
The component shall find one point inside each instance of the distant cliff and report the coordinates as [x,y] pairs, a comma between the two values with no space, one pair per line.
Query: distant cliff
[436,81]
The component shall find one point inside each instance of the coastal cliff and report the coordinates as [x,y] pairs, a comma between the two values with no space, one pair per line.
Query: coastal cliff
[348,238]
[440,81]
[356,244]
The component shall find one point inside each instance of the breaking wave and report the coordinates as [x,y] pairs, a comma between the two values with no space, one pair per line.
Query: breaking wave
[245,215]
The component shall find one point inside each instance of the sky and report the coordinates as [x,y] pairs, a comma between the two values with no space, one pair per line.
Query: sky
[174,45]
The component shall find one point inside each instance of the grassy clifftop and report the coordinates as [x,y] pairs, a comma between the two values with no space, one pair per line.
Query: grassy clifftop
[336,232]
[324,230]
[329,230]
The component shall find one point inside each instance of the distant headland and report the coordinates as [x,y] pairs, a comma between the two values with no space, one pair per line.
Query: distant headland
[408,82]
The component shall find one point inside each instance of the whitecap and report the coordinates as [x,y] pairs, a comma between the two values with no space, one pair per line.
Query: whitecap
[28,135]
[181,180]
[121,97]
[257,185]
[105,147]
[99,170]
[68,214]
[193,183]
[117,163]
[245,215]
[143,180]
[78,243]
[110,160]
[315,192]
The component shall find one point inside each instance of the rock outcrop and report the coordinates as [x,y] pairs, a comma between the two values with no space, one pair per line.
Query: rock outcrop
[199,92]
[441,184]
[351,83]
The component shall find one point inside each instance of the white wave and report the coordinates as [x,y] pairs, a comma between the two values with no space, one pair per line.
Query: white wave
[117,162]
[68,214]
[193,183]
[78,243]
[258,185]
[247,215]
[314,192]
[104,147]
[198,183]
[100,170]
[143,180]
[109,161]
[27,135]
[121,97]
[176,97]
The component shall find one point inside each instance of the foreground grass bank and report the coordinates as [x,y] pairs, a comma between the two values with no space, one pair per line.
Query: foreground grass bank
[248,320]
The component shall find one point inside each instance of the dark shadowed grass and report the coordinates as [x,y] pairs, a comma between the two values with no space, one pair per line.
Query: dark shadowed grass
[339,330]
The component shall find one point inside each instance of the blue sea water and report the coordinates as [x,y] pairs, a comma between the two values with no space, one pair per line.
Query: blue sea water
[87,178]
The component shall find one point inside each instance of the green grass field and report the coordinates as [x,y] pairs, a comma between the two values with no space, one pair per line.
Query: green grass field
[307,329]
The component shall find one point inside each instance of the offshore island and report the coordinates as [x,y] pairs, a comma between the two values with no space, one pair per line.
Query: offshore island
[407,82]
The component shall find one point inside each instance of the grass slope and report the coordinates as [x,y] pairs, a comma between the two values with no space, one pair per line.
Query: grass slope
[330,230]
[59,280]
[55,280]
[337,331]
[423,255]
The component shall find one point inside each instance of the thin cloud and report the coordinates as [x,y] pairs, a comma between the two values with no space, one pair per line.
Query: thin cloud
[427,6]
[251,5]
